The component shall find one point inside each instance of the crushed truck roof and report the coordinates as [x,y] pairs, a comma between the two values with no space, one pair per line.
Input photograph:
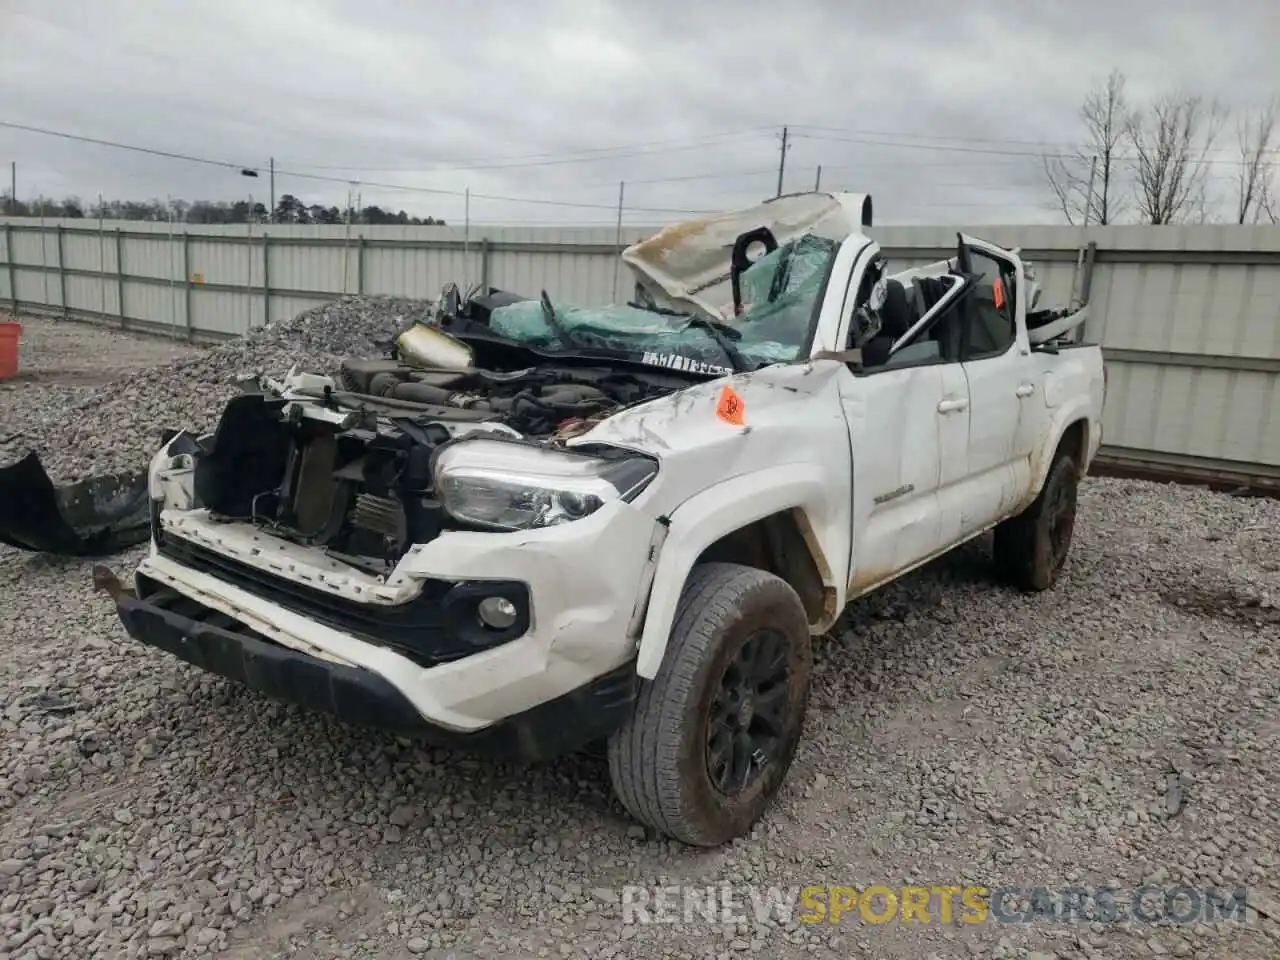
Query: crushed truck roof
[687,265]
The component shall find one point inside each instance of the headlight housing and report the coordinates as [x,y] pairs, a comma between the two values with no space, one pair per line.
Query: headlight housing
[510,486]
[154,489]
[169,474]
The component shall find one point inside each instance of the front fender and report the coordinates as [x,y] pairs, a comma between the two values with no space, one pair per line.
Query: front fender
[719,510]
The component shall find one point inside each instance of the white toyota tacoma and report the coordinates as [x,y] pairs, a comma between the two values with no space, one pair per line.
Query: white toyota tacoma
[539,526]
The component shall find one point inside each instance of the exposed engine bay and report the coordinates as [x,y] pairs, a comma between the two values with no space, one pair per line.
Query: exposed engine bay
[540,401]
[348,465]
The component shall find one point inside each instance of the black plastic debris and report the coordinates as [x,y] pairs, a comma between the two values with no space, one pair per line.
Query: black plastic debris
[91,517]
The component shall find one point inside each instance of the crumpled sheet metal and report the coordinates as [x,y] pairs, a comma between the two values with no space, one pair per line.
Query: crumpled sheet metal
[685,266]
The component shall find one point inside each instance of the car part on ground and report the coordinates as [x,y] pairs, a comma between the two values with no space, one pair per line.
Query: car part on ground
[96,516]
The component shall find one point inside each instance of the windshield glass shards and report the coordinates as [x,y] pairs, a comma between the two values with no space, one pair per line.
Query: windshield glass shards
[779,292]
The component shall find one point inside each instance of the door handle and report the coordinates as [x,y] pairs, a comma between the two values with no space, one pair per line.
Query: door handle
[953,406]
[1026,389]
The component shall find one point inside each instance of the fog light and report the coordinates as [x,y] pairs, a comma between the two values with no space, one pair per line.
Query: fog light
[497,613]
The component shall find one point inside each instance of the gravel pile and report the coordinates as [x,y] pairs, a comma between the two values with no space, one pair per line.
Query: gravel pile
[1119,730]
[959,732]
[116,426]
[61,363]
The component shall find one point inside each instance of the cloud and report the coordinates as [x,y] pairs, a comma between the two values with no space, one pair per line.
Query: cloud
[539,101]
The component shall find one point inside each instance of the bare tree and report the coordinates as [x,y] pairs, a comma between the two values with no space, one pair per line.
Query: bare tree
[1255,136]
[1171,141]
[1105,114]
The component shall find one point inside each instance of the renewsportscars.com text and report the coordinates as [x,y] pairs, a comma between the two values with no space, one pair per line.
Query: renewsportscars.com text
[939,903]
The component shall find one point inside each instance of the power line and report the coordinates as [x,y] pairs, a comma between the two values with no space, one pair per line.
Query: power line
[647,148]
[912,136]
[583,156]
[917,165]
[188,158]
[1076,146]
[1022,157]
[716,175]
[125,146]
[991,151]
[437,191]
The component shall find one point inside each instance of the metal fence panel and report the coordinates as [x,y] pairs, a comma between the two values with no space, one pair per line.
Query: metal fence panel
[1189,317]
[1230,415]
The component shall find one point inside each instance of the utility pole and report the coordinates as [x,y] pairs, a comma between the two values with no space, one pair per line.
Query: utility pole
[617,239]
[1084,226]
[782,161]
[13,188]
[817,181]
[346,243]
[466,241]
[1093,172]
[271,216]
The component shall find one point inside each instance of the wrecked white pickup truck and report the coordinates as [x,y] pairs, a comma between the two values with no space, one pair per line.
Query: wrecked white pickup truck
[625,524]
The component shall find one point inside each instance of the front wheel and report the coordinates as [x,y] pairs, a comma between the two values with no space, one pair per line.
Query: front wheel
[1031,548]
[712,737]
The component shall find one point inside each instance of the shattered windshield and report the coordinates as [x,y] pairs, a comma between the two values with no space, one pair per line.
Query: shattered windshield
[779,292]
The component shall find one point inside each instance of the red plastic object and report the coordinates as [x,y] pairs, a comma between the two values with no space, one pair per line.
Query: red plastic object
[9,334]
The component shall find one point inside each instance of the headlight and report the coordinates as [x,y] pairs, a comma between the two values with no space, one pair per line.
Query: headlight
[508,486]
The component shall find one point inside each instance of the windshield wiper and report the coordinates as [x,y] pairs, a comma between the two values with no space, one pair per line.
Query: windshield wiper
[720,332]
[549,313]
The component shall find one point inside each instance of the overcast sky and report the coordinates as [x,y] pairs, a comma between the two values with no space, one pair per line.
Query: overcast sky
[935,108]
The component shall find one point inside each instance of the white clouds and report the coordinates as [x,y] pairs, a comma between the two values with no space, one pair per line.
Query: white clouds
[404,90]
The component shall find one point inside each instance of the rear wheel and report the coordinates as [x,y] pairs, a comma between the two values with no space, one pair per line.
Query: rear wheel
[1031,548]
[713,735]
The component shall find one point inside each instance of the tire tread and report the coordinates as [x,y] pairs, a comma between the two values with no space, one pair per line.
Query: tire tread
[1015,543]
[644,754]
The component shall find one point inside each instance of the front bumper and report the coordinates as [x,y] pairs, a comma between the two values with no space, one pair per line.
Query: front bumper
[584,582]
[214,642]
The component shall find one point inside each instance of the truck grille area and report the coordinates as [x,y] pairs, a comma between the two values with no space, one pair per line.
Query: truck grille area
[437,626]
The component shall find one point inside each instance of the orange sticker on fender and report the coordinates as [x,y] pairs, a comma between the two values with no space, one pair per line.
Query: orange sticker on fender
[730,409]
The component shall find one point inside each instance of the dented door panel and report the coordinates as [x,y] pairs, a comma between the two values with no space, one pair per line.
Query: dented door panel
[1003,427]
[897,442]
[955,511]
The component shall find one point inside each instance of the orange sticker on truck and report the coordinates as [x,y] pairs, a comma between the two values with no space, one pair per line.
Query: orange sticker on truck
[730,409]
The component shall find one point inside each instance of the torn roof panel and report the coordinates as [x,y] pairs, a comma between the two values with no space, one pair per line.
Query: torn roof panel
[686,266]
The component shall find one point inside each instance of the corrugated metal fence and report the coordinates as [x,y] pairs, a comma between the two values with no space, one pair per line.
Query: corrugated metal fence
[1189,317]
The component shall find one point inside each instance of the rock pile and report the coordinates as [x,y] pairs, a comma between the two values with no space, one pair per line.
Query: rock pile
[117,427]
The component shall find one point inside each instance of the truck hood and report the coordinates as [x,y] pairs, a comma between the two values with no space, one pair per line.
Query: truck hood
[720,411]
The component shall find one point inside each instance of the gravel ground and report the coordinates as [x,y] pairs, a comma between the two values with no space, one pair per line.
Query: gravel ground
[60,365]
[958,733]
